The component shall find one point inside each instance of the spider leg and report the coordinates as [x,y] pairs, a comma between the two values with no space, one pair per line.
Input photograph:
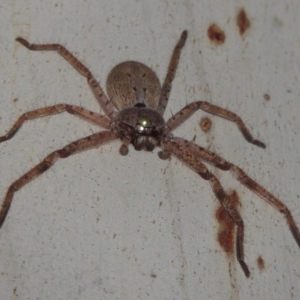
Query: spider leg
[193,161]
[105,104]
[92,141]
[167,85]
[78,111]
[244,179]
[188,110]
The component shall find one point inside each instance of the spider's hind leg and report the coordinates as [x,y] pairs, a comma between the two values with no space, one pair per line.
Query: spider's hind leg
[179,149]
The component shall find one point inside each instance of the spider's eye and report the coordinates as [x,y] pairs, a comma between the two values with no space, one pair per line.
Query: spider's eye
[143,125]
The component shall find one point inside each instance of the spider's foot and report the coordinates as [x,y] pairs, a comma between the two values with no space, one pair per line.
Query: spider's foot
[259,144]
[245,268]
[23,42]
[3,214]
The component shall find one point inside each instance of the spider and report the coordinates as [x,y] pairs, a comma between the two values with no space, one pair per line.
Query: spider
[134,112]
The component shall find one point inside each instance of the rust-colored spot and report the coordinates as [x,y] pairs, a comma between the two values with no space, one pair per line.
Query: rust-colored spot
[267,97]
[226,230]
[261,263]
[242,21]
[15,100]
[205,124]
[216,34]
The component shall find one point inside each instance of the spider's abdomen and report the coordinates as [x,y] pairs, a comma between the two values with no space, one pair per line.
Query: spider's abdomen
[130,83]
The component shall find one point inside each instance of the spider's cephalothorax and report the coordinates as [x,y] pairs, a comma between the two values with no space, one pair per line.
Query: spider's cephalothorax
[134,90]
[141,126]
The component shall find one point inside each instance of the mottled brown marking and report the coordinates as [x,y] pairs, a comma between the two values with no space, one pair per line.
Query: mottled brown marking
[261,263]
[205,124]
[216,34]
[242,21]
[226,231]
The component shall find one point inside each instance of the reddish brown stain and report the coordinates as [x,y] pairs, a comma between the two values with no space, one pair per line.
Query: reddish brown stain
[226,232]
[205,124]
[216,34]
[242,21]
[261,263]
[267,97]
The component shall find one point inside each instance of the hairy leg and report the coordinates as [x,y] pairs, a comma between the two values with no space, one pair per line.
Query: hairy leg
[243,178]
[92,141]
[167,85]
[98,92]
[78,111]
[188,110]
[193,161]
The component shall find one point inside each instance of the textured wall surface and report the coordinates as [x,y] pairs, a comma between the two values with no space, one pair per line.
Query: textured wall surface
[101,226]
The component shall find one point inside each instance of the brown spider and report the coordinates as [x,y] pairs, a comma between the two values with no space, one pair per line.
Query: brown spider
[135,91]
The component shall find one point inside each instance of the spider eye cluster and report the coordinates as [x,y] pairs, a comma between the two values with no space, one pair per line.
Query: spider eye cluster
[144,126]
[141,120]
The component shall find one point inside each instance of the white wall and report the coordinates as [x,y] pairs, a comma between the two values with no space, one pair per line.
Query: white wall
[92,227]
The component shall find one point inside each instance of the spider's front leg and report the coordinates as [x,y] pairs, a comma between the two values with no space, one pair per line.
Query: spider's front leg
[188,110]
[182,152]
[173,64]
[80,67]
[92,141]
